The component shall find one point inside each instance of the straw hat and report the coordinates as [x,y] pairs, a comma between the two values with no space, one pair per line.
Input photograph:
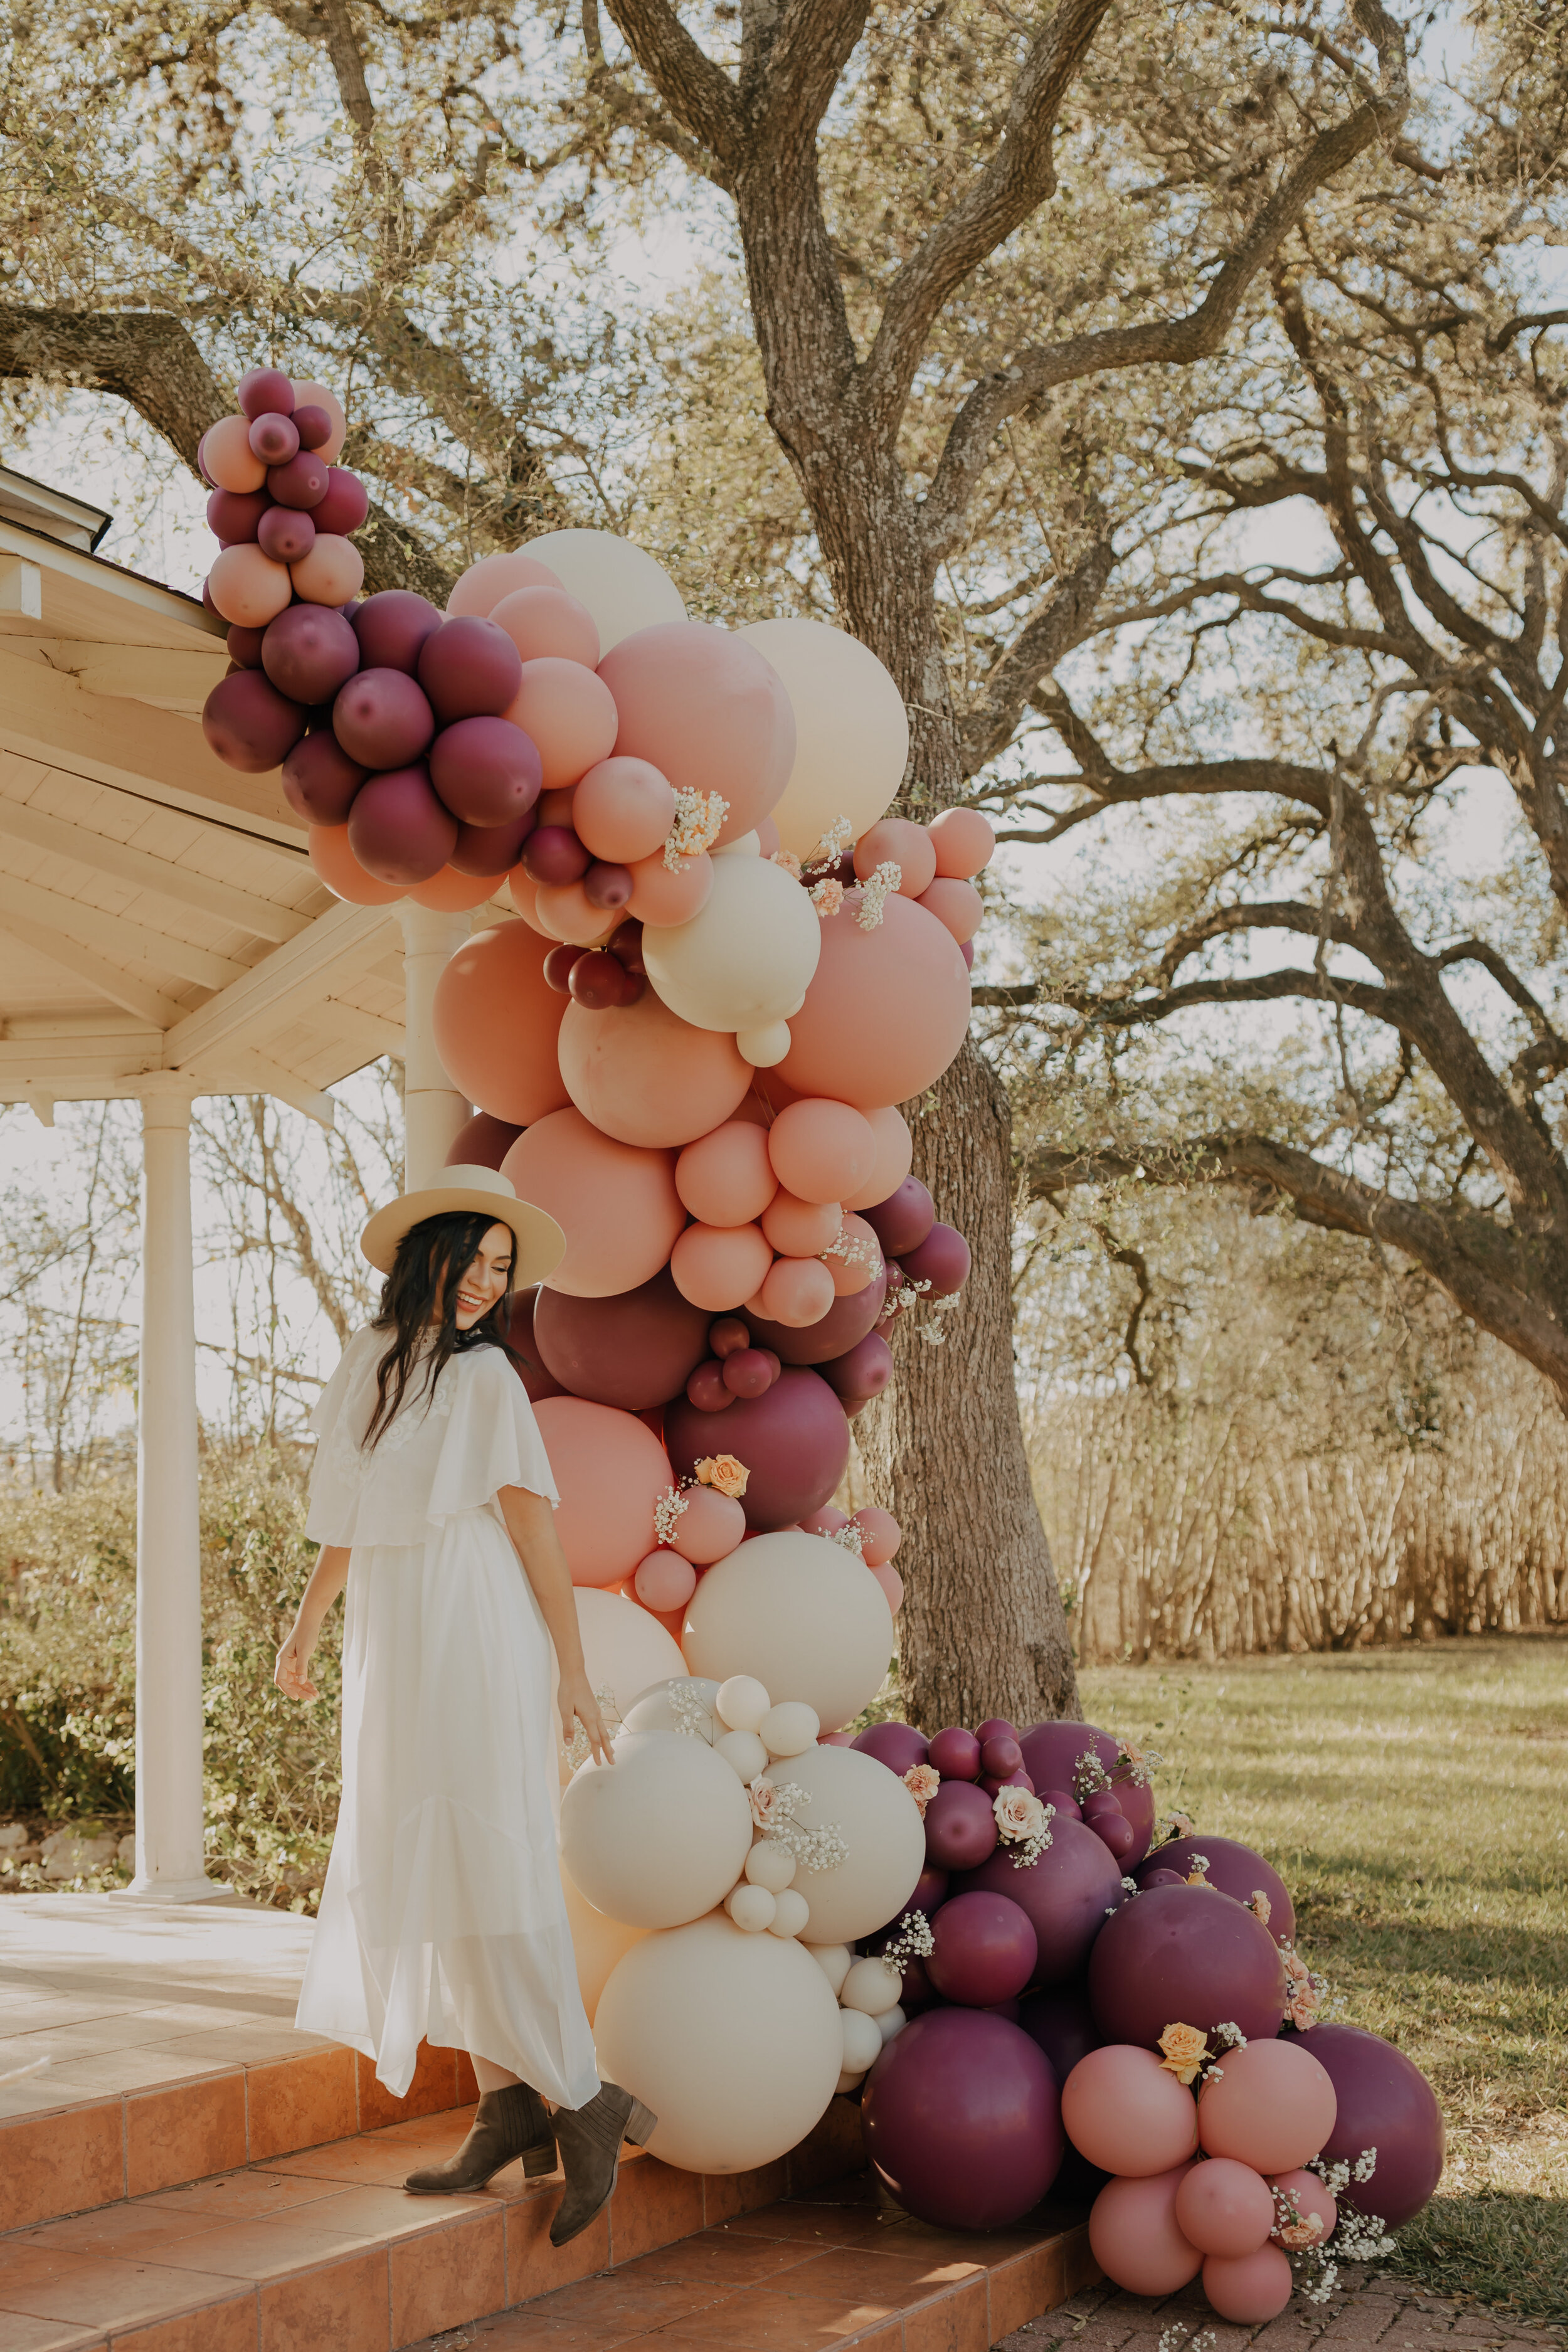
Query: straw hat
[540,1243]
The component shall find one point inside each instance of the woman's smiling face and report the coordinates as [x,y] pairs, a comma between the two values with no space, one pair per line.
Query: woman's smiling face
[484,1280]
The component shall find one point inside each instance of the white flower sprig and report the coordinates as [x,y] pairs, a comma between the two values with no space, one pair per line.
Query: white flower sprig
[667,1513]
[689,1709]
[829,845]
[699,821]
[875,892]
[774,1809]
[851,1537]
[914,1941]
[855,1249]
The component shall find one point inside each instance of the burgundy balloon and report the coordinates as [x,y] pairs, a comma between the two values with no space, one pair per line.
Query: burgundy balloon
[1051,1753]
[234,515]
[983,1949]
[320,780]
[961,2120]
[553,855]
[249,724]
[310,652]
[537,1379]
[931,1887]
[996,1726]
[598,980]
[995,1782]
[485,771]
[313,426]
[608,886]
[863,1370]
[1066,1894]
[633,1350]
[794,1440]
[245,646]
[1385,2103]
[383,719]
[1060,2023]
[490,849]
[1101,1801]
[558,966]
[274,440]
[484,1142]
[345,505]
[302,482]
[391,627]
[398,830]
[627,948]
[1147,1877]
[955,1754]
[265,391]
[747,1373]
[999,1751]
[469,668]
[1115,1833]
[287,534]
[207,604]
[846,1322]
[941,1259]
[1067,1805]
[1236,1871]
[898,1745]
[903,1220]
[1184,1955]
[960,1828]
[728,1333]
[916,1990]
[706,1390]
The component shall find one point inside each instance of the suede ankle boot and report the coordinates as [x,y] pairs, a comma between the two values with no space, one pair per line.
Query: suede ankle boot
[508,2122]
[590,2140]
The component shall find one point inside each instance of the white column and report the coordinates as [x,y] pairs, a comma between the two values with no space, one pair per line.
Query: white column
[169,1844]
[433,1109]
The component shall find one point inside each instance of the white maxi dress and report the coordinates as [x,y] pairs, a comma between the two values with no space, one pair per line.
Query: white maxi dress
[442,1918]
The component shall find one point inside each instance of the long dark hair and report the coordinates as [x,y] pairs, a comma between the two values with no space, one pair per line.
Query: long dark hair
[432,1258]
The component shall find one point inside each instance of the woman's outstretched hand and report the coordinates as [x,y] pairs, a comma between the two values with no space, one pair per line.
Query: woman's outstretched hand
[291,1673]
[580,1712]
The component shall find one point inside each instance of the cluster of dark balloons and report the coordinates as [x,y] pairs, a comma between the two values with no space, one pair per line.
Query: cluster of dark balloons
[597,978]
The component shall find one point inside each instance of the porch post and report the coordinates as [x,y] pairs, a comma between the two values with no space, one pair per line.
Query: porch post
[433,1109]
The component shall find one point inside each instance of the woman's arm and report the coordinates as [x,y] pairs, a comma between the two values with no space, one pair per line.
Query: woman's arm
[530,1524]
[328,1578]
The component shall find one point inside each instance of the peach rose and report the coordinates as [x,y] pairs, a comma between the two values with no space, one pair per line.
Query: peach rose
[1301,1992]
[724,1473]
[766,1806]
[922,1784]
[1185,2049]
[1260,1906]
[1019,1816]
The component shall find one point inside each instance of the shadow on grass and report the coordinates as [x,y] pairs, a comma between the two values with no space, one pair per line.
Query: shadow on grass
[1510,2252]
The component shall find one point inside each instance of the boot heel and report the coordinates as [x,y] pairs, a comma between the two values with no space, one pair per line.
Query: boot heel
[539,2160]
[640,2125]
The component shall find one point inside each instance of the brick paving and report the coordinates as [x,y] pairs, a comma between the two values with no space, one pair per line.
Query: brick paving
[1367,2308]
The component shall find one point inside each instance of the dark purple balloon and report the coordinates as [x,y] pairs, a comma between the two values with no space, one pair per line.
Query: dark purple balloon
[265,391]
[995,1782]
[1236,1871]
[931,1891]
[706,1390]
[469,668]
[1060,2021]
[287,535]
[1115,1833]
[537,1379]
[245,646]
[391,627]
[794,1440]
[955,1754]
[983,1949]
[1067,1805]
[313,426]
[1000,1753]
[996,1726]
[490,849]
[846,1322]
[960,1827]
[748,1372]
[633,1350]
[399,829]
[250,725]
[863,1370]
[553,856]
[1384,2101]
[302,482]
[484,1142]
[1067,1894]
[1051,1754]
[310,652]
[962,2120]
[941,1259]
[383,719]
[608,886]
[1185,1955]
[345,505]
[486,771]
[916,1991]
[599,981]
[903,1220]
[898,1745]
[1148,1877]
[234,515]
[625,946]
[320,780]
[274,440]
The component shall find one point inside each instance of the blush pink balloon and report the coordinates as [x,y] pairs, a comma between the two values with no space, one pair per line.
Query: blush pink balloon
[1134,2237]
[709,1528]
[481,587]
[726,1178]
[496,1023]
[1224,2208]
[909,846]
[880,1535]
[623,810]
[796,1292]
[611,1471]
[798,1228]
[964,841]
[1272,2107]
[308,394]
[228,458]
[667,898]
[892,1584]
[885,1011]
[616,1205]
[895,1156]
[1251,2288]
[451,893]
[569,712]
[646,1076]
[341,872]
[822,1151]
[546,622]
[565,912]
[720,1266]
[248,587]
[709,711]
[1311,2201]
[957,906]
[665,1582]
[1124,2112]
[856,1261]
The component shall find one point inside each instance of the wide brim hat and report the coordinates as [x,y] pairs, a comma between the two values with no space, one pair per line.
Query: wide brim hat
[464,1191]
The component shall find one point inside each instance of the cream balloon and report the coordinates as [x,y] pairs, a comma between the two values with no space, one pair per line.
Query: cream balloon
[621,585]
[741,1703]
[623,1648]
[597,1943]
[743,1752]
[770,1864]
[789,1728]
[870,1987]
[852,736]
[658,1837]
[745,844]
[733,2040]
[891,2022]
[803,1616]
[765,1047]
[879,1823]
[746,958]
[862,2040]
[792,1913]
[835,1960]
[752,1909]
[653,1709]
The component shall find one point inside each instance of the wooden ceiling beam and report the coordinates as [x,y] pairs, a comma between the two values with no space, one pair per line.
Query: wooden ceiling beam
[93,927]
[180,884]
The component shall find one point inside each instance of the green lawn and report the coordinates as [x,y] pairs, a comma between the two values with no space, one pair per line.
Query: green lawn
[1415,1803]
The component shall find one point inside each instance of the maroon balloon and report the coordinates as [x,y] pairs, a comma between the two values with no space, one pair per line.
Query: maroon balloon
[245,646]
[1066,1894]
[302,482]
[608,886]
[898,1745]
[1101,1801]
[625,946]
[916,1991]
[249,724]
[863,1370]
[1236,1871]
[1384,2101]
[706,1389]
[728,1334]
[748,1372]
[632,1350]
[539,1381]
[274,440]
[309,652]
[995,1782]
[313,426]
[1067,1805]
[1052,1752]
[955,1754]
[1185,1955]
[469,668]
[983,1949]
[931,1888]
[960,1828]
[846,1324]
[794,1440]
[1061,2022]
[287,535]
[345,505]
[490,849]
[484,1142]
[391,627]
[962,2120]
[996,1726]
[320,780]
[383,719]
[399,829]
[903,1220]
[234,515]
[999,1751]
[553,855]
[941,1259]
[486,771]
[1147,1877]
[1115,1833]
[599,981]
[265,391]
[558,966]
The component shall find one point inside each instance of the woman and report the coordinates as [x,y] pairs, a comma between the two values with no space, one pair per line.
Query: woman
[442,1918]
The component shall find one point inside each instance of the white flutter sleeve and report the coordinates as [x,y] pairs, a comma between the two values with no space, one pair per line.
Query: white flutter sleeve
[492,1439]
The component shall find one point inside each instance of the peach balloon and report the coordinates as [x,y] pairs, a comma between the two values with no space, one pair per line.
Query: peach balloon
[645,1077]
[895,1157]
[720,1266]
[617,1206]
[570,714]
[886,1011]
[665,1582]
[308,394]
[708,1529]
[451,893]
[556,807]
[482,586]
[797,1292]
[822,1151]
[801,1228]
[611,1471]
[496,1022]
[332,572]
[663,898]
[909,846]
[1256,2286]
[892,1585]
[341,872]
[1224,2208]
[524,892]
[964,841]
[880,1535]
[566,912]
[1271,2105]
[624,810]
[230,461]
[958,906]
[726,1178]
[248,587]
[1134,2236]
[1311,2201]
[858,1262]
[709,710]
[1125,2113]
[542,621]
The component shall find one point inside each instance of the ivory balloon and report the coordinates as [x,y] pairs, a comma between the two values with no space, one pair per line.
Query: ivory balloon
[621,585]
[742,1701]
[835,1960]
[752,1909]
[792,1913]
[744,1754]
[658,1837]
[878,1821]
[862,2040]
[652,1710]
[597,1943]
[733,2041]
[747,959]
[852,738]
[616,1205]
[624,1647]
[770,1864]
[870,1987]
[646,1076]
[803,1616]
[789,1728]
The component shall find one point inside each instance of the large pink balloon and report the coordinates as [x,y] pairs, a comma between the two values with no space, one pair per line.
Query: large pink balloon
[1253,2287]
[1124,2112]
[1272,2107]
[1224,2208]
[1134,2237]
[611,1471]
[709,711]
[542,621]
[895,1152]
[646,1076]
[885,1013]
[822,1151]
[616,1205]
[726,1178]
[720,1266]
[481,587]
[570,715]
[497,1023]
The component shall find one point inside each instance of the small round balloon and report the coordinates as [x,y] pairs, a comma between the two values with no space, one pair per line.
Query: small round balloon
[1134,2237]
[1224,2207]
[1123,2111]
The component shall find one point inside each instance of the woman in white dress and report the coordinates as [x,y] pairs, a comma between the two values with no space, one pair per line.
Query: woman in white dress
[442,1919]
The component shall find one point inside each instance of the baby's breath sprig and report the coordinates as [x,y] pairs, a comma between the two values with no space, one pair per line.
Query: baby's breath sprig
[914,1941]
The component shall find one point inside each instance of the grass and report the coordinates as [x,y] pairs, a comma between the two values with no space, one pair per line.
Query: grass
[1415,1802]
